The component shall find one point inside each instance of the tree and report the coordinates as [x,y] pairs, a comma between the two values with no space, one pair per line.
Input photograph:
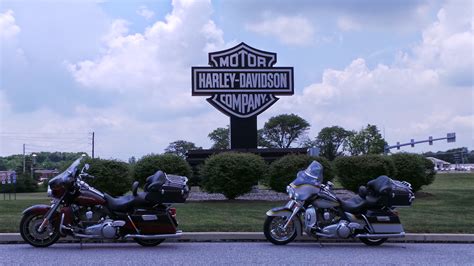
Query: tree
[220,136]
[331,140]
[181,147]
[132,160]
[366,141]
[283,130]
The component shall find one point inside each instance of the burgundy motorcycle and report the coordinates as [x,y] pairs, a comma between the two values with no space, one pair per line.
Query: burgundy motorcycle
[81,211]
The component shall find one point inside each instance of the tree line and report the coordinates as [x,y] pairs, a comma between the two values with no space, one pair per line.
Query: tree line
[290,130]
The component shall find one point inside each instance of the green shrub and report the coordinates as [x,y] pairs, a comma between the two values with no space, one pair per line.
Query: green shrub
[111,176]
[413,168]
[284,170]
[354,171]
[168,163]
[430,171]
[232,174]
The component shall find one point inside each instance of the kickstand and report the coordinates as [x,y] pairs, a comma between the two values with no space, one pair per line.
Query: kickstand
[320,243]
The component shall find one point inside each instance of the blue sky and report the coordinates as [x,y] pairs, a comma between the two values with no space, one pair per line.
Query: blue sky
[122,69]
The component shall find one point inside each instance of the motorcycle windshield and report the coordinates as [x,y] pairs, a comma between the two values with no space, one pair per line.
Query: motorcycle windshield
[66,175]
[303,179]
[313,175]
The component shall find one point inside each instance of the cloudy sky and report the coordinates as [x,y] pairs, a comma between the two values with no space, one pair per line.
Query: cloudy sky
[121,69]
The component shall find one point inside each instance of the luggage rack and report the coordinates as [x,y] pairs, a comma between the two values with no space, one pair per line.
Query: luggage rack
[402,183]
[176,179]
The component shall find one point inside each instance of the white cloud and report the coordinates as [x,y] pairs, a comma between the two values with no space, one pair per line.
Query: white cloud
[118,134]
[347,24]
[145,12]
[8,27]
[448,45]
[410,98]
[293,30]
[157,60]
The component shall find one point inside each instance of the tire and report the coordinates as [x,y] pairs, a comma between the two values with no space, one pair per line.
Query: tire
[148,242]
[28,225]
[373,241]
[275,233]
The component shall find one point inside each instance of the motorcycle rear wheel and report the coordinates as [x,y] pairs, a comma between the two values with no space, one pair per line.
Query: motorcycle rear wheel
[373,241]
[29,225]
[274,232]
[149,242]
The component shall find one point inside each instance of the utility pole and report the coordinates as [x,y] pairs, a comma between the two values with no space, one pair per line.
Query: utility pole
[24,159]
[93,140]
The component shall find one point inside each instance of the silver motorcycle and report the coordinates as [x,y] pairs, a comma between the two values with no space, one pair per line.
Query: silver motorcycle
[316,210]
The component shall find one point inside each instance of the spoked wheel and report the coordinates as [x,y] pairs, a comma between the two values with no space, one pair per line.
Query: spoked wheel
[29,231]
[149,242]
[373,241]
[275,233]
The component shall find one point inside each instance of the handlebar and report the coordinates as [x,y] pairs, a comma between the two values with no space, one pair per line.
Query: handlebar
[86,175]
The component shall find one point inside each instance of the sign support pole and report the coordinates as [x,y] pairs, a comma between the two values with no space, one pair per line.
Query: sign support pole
[243,132]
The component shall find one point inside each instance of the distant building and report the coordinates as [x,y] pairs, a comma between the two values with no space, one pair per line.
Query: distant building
[439,164]
[44,174]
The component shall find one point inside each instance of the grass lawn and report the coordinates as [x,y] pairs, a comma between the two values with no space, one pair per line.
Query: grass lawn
[446,206]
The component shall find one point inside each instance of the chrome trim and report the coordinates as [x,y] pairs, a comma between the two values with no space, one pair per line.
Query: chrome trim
[398,235]
[88,236]
[149,217]
[178,234]
[295,211]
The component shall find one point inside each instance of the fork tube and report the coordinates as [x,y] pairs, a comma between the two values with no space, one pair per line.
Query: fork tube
[295,211]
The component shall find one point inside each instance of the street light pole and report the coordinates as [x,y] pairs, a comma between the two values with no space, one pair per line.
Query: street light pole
[33,162]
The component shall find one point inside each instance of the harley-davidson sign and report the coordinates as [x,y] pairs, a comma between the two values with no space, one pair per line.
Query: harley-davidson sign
[242,81]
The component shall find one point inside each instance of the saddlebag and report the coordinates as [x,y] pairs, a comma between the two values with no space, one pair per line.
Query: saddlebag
[391,193]
[154,222]
[163,188]
[384,222]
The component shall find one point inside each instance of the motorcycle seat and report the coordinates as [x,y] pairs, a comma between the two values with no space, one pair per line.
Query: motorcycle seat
[119,204]
[354,205]
[128,202]
[382,185]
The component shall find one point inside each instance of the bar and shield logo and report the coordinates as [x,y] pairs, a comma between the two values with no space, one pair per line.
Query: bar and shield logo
[242,81]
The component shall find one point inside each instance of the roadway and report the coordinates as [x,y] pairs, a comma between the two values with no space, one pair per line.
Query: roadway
[238,253]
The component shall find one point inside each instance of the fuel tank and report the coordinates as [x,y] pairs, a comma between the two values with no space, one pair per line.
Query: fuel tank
[326,199]
[89,198]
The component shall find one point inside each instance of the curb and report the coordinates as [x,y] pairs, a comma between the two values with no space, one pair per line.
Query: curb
[15,238]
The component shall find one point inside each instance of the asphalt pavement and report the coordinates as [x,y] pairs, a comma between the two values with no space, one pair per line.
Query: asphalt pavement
[238,253]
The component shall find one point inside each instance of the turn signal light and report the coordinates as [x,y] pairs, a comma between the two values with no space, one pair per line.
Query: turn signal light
[172,212]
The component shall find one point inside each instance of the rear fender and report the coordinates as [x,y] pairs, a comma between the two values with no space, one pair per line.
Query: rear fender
[285,212]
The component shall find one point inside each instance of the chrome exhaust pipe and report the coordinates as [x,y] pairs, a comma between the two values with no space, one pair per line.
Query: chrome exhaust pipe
[396,235]
[88,236]
[164,236]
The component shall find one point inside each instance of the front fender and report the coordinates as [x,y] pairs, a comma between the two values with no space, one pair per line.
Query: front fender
[285,212]
[37,209]
[42,209]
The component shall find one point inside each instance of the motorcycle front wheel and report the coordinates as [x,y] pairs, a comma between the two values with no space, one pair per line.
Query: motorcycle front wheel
[275,233]
[29,225]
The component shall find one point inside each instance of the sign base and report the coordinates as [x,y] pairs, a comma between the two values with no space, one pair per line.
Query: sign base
[243,132]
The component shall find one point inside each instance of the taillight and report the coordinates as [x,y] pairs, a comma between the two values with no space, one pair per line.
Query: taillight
[172,212]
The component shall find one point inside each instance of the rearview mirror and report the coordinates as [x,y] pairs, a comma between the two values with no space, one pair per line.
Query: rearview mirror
[86,166]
